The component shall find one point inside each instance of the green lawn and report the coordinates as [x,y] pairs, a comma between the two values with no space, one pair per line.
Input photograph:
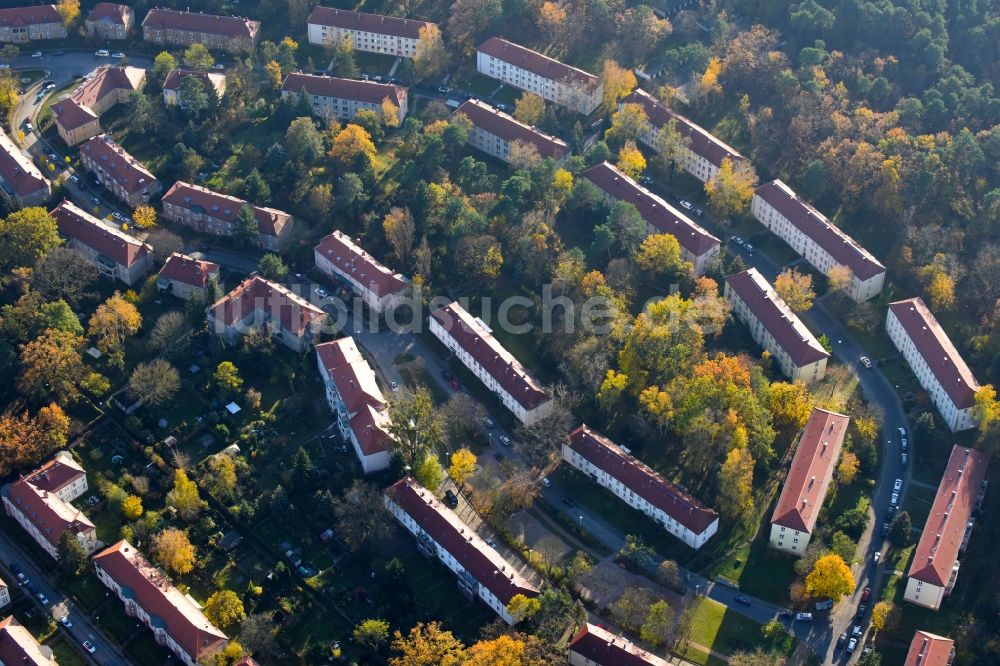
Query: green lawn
[775,248]
[64,652]
[760,571]
[112,618]
[725,631]
[145,650]
[918,504]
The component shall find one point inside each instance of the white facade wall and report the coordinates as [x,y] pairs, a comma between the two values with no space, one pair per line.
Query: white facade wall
[88,540]
[129,275]
[341,108]
[575,97]
[369,463]
[788,539]
[372,42]
[4,595]
[927,594]
[371,299]
[957,419]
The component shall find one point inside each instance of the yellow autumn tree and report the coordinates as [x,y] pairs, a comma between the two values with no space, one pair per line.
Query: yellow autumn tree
[795,289]
[986,409]
[839,278]
[273,70]
[736,483]
[658,405]
[144,217]
[390,113]
[830,578]
[791,403]
[173,549]
[848,467]
[529,108]
[132,507]
[10,92]
[69,10]
[630,160]
[611,389]
[521,607]
[463,465]
[350,143]
[618,82]
[730,191]
[709,82]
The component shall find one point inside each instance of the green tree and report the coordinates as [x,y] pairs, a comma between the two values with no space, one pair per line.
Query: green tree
[227,377]
[197,57]
[415,425]
[901,530]
[843,545]
[659,622]
[272,266]
[372,632]
[224,609]
[72,557]
[25,236]
[255,188]
[163,64]
[429,473]
[184,497]
[140,112]
[246,228]
[730,191]
[303,142]
[195,99]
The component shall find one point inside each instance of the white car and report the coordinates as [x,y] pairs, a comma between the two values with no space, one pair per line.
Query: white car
[898,485]
[321,292]
[89,647]
[804,617]
[118,54]
[394,386]
[505,440]
[686,205]
[102,53]
[902,431]
[36,54]
[852,645]
[894,499]
[737,240]
[546,483]
[116,215]
[865,361]
[877,557]
[64,621]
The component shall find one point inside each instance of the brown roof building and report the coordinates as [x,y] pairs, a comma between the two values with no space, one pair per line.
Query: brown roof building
[183,275]
[21,182]
[494,131]
[934,568]
[596,646]
[25,24]
[927,649]
[334,97]
[110,20]
[18,647]
[234,34]
[641,487]
[77,116]
[367,32]
[337,255]
[123,175]
[808,480]
[257,302]
[212,81]
[116,254]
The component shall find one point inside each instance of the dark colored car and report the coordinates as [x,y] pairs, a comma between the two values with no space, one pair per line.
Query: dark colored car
[450,498]
[744,599]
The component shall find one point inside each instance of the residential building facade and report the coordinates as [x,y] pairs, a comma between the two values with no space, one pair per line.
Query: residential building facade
[115,254]
[233,34]
[927,649]
[109,20]
[213,213]
[40,503]
[641,487]
[932,357]
[4,594]
[698,247]
[184,276]
[481,571]
[123,175]
[27,24]
[594,645]
[77,117]
[176,622]
[775,327]
[818,241]
[934,567]
[21,182]
[212,81]
[18,646]
[373,33]
[808,480]
[533,72]
[493,132]
[260,303]
[340,257]
[702,153]
[333,98]
[472,342]
[356,400]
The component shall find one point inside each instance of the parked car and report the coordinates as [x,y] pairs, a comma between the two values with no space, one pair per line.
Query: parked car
[737,240]
[856,630]
[865,361]
[890,512]
[28,127]
[64,621]
[748,247]
[824,605]
[489,423]
[852,645]
[894,499]
[546,482]
[118,54]
[646,180]
[444,90]
[502,107]
[744,599]
[804,617]
[450,498]
[902,431]
[885,529]
[393,386]
[784,612]
[321,292]
[877,557]
[102,53]
[903,444]
[75,178]
[44,599]
[898,485]
[505,440]
[862,611]
[686,205]
[842,640]
[903,459]
[89,647]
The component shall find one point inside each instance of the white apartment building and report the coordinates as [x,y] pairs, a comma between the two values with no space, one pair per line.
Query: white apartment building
[698,247]
[704,152]
[818,241]
[641,487]
[531,71]
[808,480]
[373,33]
[775,327]
[40,503]
[934,568]
[333,98]
[493,132]
[116,254]
[4,594]
[481,571]
[596,646]
[338,256]
[472,342]
[176,621]
[123,175]
[933,358]
[356,400]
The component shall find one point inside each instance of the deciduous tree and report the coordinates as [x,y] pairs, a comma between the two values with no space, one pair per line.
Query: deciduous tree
[52,367]
[400,231]
[198,57]
[69,10]
[25,236]
[795,289]
[502,650]
[657,628]
[303,141]
[839,278]
[463,466]
[884,615]
[10,91]
[523,608]
[372,632]
[168,335]
[272,266]
[172,548]
[426,645]
[361,515]
[72,557]
[660,256]
[227,377]
[529,108]
[627,124]
[184,497]
[428,472]
[351,143]
[901,530]
[415,425]
[112,322]
[830,578]
[132,507]
[163,64]
[64,273]
[224,609]
[154,383]
[848,467]
[736,483]
[25,439]
[631,160]
[618,82]
[791,403]
[430,57]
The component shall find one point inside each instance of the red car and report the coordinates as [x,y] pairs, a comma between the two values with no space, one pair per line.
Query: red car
[865,594]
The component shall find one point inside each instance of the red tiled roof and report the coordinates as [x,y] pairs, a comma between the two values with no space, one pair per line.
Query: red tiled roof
[603,648]
[355,382]
[18,646]
[212,80]
[347,256]
[371,428]
[654,210]
[474,555]
[479,342]
[812,223]
[292,312]
[508,128]
[642,480]
[109,12]
[106,80]
[118,164]
[270,222]
[188,270]
[811,470]
[927,649]
[85,228]
[937,350]
[70,115]
[234,27]
[166,605]
[700,141]
[24,16]
[535,62]
[369,92]
[775,315]
[953,505]
[17,170]
[35,497]
[350,20]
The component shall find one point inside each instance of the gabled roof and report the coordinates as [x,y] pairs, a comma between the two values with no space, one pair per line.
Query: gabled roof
[233,27]
[16,17]
[937,350]
[941,538]
[106,80]
[255,294]
[473,554]
[35,497]
[17,170]
[70,114]
[811,470]
[351,374]
[117,164]
[270,222]
[700,141]
[473,336]
[109,12]
[645,482]
[508,128]
[348,257]
[167,607]
[368,92]
[85,228]
[775,315]
[362,22]
[603,648]
[535,62]
[18,646]
[188,270]
[212,80]
[654,210]
[844,250]
[927,649]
